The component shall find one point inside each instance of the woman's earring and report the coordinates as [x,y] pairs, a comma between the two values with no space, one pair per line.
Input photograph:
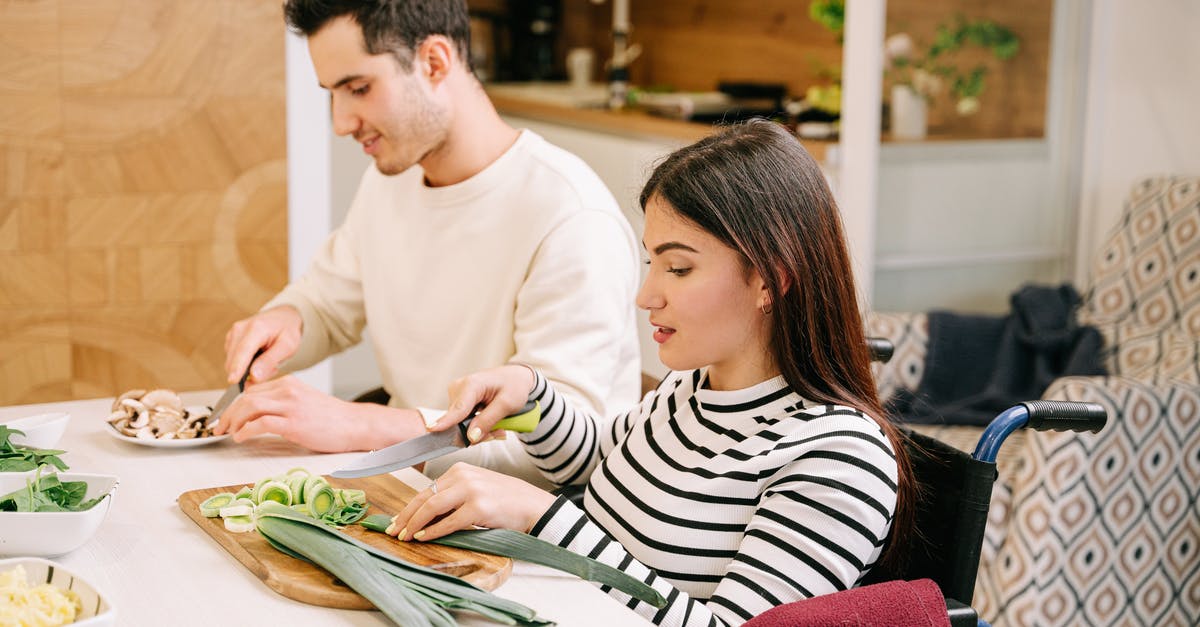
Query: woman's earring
[765,308]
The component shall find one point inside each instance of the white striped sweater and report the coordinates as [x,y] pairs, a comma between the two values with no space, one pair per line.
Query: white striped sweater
[727,502]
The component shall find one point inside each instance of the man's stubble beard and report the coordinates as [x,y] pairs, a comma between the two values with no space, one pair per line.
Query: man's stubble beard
[428,126]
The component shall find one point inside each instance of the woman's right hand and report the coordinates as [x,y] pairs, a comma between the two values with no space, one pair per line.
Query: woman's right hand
[499,391]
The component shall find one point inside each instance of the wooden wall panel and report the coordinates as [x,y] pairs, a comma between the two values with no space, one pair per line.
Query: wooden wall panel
[143,197]
[694,44]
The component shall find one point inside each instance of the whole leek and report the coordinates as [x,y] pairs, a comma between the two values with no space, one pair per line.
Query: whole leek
[525,547]
[406,593]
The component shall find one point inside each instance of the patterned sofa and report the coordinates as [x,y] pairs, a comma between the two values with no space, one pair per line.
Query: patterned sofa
[1102,529]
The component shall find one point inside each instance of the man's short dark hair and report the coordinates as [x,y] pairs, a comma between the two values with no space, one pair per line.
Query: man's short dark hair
[395,26]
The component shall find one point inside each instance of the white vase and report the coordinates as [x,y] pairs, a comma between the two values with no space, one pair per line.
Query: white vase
[909,113]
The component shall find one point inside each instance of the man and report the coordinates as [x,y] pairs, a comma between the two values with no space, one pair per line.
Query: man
[468,244]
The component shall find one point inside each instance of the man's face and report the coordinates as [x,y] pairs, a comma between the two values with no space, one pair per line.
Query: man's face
[392,113]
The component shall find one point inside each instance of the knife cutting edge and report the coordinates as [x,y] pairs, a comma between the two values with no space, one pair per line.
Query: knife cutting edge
[233,391]
[433,445]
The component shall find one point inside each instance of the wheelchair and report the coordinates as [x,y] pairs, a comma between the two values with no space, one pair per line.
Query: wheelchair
[951,519]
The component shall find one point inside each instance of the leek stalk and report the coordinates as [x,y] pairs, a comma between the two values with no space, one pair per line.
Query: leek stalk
[406,593]
[523,546]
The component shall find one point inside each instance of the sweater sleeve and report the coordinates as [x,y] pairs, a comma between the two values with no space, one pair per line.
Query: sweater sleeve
[819,525]
[329,296]
[573,336]
[568,442]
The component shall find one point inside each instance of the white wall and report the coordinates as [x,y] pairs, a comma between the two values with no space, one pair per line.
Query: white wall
[961,225]
[1141,113]
[354,370]
[308,164]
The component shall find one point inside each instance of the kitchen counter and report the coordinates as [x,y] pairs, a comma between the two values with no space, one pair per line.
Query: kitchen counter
[159,568]
[582,109]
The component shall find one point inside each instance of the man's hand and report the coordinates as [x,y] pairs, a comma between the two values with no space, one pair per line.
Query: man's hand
[277,330]
[468,496]
[314,420]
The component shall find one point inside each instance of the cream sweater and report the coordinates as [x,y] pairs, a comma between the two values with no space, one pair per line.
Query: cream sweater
[529,260]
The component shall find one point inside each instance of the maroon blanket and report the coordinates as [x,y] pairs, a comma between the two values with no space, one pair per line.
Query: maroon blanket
[893,603]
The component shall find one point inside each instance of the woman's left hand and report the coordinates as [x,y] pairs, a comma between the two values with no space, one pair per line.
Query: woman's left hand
[467,496]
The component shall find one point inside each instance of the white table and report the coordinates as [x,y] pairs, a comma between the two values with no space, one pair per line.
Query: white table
[158,568]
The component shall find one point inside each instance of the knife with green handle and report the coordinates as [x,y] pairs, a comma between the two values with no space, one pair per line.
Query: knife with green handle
[433,445]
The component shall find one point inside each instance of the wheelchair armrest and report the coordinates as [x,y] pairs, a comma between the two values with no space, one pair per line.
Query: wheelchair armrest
[961,615]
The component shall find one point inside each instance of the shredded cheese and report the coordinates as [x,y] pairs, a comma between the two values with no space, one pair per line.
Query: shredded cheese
[23,605]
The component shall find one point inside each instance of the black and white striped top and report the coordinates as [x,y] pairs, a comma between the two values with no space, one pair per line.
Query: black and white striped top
[727,502]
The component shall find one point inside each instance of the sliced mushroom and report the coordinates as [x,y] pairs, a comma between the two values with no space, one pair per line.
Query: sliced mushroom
[134,394]
[165,423]
[159,414]
[162,398]
[141,419]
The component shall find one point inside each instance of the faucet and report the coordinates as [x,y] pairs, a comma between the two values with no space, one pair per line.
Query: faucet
[623,54]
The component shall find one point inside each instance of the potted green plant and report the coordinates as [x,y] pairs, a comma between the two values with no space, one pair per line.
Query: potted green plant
[919,76]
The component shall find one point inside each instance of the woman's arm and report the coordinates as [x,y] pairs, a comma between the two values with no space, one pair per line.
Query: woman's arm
[819,525]
[569,443]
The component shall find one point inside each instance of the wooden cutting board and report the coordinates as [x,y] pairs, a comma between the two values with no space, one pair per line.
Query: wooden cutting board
[311,584]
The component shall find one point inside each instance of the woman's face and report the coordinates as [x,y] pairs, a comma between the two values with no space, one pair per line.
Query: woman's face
[704,302]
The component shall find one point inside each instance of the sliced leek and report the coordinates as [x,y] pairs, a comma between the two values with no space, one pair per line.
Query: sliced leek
[305,492]
[320,501]
[231,511]
[239,524]
[211,507]
[278,491]
[354,496]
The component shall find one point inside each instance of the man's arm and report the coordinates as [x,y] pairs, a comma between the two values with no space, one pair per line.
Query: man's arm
[329,300]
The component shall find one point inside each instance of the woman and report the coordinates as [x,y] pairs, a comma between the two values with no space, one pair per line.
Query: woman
[761,471]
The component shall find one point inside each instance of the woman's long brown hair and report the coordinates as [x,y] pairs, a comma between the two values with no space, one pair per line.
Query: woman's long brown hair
[755,188]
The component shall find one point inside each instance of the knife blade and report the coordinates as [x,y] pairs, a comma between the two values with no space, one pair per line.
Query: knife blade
[232,392]
[431,445]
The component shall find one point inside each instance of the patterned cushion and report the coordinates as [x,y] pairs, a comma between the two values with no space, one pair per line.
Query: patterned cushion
[909,334]
[1104,528]
[1147,276]
[1151,354]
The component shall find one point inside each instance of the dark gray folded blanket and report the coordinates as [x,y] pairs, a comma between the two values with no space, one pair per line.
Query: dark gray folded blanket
[978,366]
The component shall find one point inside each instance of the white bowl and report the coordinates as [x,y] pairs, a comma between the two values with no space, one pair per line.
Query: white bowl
[46,534]
[97,610]
[41,431]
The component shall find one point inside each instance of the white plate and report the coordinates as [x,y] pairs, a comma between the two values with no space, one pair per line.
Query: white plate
[157,443]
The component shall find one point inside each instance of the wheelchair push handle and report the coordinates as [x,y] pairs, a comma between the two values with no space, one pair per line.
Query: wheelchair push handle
[1065,416]
[1040,415]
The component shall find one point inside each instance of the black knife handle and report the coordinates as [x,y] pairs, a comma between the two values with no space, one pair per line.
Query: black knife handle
[246,374]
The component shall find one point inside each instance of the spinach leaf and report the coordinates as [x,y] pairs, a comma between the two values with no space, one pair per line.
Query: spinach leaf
[48,494]
[16,458]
